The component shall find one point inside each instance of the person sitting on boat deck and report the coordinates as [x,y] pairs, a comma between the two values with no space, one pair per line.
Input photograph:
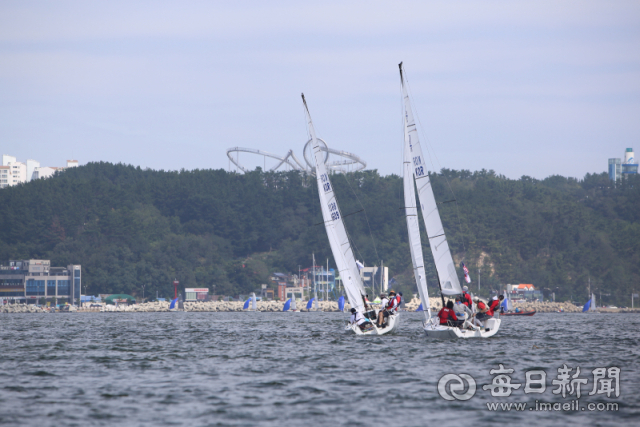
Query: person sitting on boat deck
[494,305]
[389,309]
[400,301]
[358,318]
[448,316]
[384,301]
[463,313]
[466,298]
[481,312]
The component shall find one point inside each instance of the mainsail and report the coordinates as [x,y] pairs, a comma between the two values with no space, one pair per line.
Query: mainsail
[447,275]
[413,226]
[336,232]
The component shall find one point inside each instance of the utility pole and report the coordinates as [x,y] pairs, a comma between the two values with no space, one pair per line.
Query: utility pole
[478,280]
[327,282]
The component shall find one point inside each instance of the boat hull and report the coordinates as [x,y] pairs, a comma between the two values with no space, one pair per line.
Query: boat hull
[522,313]
[447,332]
[393,322]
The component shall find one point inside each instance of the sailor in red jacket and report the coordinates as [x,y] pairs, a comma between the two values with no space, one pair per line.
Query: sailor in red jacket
[447,315]
[466,298]
[495,305]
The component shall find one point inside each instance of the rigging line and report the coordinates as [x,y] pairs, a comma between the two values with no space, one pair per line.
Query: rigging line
[429,150]
[365,215]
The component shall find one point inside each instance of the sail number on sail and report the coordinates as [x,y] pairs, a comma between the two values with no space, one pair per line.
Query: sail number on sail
[333,208]
[326,185]
[417,161]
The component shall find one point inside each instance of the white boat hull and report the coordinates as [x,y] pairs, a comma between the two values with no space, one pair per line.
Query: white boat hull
[393,322]
[442,332]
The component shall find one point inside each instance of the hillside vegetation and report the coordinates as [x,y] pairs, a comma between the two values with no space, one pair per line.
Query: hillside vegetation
[130,228]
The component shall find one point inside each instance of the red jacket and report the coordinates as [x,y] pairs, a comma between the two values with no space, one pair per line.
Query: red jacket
[445,314]
[467,300]
[494,304]
[481,306]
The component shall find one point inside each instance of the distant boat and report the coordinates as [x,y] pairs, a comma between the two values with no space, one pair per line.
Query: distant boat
[290,305]
[590,306]
[415,175]
[519,313]
[251,301]
[172,306]
[341,303]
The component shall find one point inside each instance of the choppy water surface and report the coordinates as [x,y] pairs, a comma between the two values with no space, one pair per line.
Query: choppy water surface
[295,368]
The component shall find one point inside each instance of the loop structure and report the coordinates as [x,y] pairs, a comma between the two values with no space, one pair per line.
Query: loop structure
[336,161]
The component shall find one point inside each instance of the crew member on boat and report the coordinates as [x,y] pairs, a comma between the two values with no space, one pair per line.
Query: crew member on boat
[463,313]
[481,312]
[359,319]
[494,305]
[466,298]
[390,309]
[448,316]
[384,301]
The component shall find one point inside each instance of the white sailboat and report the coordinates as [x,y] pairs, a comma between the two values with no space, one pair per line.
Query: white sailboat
[415,171]
[254,303]
[340,244]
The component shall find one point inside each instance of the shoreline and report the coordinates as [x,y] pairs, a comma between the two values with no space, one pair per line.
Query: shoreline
[276,306]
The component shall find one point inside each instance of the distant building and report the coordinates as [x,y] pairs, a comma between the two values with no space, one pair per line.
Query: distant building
[13,172]
[523,291]
[31,280]
[615,169]
[629,166]
[375,278]
[196,294]
[620,168]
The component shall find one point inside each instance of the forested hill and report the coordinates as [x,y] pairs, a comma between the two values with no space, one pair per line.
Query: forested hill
[130,227]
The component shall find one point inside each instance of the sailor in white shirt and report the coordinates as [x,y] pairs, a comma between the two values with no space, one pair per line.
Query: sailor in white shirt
[384,301]
[357,317]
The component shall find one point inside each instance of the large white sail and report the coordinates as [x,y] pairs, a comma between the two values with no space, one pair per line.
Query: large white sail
[413,227]
[449,283]
[337,234]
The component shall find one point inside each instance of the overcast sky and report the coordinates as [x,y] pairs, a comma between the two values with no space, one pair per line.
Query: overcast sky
[525,88]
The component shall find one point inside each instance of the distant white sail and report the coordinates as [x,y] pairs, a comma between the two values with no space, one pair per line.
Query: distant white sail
[449,282]
[413,227]
[254,302]
[336,232]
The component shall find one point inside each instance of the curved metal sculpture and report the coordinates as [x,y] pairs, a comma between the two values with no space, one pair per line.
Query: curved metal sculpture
[290,159]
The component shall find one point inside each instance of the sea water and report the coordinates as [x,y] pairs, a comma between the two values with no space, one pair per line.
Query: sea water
[273,369]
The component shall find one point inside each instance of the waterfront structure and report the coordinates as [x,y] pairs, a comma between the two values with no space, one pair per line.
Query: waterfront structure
[196,294]
[620,168]
[13,172]
[523,291]
[30,281]
[376,278]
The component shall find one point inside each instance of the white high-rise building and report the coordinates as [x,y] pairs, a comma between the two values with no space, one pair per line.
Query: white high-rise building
[32,165]
[13,172]
[16,171]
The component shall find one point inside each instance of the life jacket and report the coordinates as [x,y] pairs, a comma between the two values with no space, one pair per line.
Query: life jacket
[494,304]
[391,301]
[445,315]
[467,299]
[399,298]
[481,306]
